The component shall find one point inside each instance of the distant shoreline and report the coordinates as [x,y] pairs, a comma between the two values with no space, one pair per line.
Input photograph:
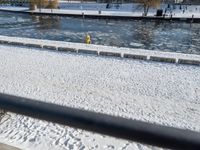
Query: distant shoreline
[102,16]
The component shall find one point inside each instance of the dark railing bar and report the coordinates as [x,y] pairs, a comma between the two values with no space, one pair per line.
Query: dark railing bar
[152,134]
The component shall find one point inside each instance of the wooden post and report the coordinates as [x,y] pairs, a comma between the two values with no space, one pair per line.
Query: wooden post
[192,18]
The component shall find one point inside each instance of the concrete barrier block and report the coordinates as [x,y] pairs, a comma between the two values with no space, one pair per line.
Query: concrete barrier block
[4,42]
[183,19]
[141,57]
[49,47]
[163,59]
[16,43]
[66,49]
[33,45]
[88,51]
[110,54]
[189,62]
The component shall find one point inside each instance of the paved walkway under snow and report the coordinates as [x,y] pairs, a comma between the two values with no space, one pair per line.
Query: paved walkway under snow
[161,93]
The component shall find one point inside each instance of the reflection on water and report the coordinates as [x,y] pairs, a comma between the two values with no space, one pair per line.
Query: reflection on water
[46,23]
[152,35]
[145,36]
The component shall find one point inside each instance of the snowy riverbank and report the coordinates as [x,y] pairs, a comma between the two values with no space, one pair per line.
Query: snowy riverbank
[120,10]
[104,50]
[161,93]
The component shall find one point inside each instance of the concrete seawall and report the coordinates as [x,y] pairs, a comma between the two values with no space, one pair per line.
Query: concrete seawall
[106,16]
[104,51]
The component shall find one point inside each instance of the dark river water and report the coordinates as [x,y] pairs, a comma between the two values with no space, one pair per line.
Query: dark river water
[151,35]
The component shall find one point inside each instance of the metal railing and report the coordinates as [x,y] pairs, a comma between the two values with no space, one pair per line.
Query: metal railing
[152,134]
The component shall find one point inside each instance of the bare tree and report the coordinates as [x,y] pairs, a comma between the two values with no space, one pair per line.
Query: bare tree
[44,3]
[149,3]
[53,4]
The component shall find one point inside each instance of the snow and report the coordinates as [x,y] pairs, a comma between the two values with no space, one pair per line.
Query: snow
[14,8]
[160,93]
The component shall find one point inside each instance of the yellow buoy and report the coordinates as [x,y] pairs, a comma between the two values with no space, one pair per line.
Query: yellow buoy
[88,39]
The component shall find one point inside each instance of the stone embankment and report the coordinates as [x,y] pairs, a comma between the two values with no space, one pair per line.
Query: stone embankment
[100,50]
[122,15]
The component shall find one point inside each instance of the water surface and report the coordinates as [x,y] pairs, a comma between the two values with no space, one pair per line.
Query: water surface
[151,35]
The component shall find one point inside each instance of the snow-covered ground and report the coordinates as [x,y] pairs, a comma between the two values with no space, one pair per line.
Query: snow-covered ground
[134,10]
[161,93]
